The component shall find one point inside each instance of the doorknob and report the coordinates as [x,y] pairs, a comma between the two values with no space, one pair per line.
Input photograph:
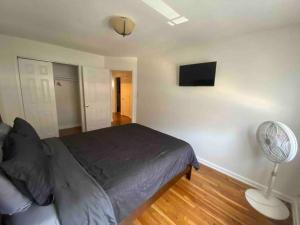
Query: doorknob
[87,106]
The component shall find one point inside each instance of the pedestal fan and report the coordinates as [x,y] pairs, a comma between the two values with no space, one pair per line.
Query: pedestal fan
[279,145]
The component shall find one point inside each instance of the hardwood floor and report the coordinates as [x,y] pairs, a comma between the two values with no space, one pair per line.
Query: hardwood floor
[69,131]
[210,198]
[119,119]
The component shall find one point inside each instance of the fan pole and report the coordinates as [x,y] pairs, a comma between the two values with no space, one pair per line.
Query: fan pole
[272,180]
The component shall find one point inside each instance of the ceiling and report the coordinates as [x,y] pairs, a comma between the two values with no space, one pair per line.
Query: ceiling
[83,24]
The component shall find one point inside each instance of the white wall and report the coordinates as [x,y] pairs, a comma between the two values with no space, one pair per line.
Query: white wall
[257,79]
[125,64]
[67,95]
[11,48]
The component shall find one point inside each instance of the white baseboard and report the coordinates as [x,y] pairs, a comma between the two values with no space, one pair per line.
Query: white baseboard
[61,127]
[293,201]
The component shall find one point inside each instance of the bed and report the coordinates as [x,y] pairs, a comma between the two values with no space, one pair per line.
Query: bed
[113,173]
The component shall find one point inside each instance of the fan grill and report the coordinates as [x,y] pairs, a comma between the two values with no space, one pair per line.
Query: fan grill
[274,141]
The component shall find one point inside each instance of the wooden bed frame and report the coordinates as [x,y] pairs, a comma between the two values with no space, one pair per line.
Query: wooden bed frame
[187,172]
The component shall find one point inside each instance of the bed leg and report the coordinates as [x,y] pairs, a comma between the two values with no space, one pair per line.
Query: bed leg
[188,175]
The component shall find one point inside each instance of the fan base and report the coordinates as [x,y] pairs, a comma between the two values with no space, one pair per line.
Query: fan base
[270,207]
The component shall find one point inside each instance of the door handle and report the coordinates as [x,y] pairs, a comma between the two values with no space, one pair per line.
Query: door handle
[86,106]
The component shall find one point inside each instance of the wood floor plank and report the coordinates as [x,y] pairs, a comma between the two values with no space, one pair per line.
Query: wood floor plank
[70,131]
[210,198]
[119,119]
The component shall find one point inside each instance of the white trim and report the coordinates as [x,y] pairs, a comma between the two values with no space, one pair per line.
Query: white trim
[112,76]
[292,200]
[244,179]
[125,64]
[82,104]
[67,126]
[133,88]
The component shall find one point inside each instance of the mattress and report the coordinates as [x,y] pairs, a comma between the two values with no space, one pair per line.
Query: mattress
[131,162]
[36,215]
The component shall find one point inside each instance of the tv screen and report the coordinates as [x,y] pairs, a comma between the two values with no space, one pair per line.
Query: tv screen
[201,74]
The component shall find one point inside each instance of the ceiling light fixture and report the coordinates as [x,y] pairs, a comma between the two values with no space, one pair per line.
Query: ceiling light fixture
[180,20]
[122,25]
[171,24]
[162,8]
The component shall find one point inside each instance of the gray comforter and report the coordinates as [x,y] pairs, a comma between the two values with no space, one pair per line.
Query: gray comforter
[79,199]
[130,162]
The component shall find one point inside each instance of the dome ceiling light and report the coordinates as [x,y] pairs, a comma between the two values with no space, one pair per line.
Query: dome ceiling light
[122,25]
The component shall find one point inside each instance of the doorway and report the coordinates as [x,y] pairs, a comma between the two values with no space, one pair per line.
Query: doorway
[121,97]
[67,95]
[118,94]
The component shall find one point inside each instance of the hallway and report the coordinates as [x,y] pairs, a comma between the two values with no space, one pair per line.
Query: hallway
[119,119]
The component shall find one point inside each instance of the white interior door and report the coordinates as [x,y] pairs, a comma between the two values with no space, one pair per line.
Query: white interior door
[126,92]
[97,94]
[38,95]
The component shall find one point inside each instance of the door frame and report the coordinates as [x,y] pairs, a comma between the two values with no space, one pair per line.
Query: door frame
[133,98]
[82,103]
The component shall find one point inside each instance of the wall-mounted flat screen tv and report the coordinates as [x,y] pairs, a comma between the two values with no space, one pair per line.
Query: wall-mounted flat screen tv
[201,74]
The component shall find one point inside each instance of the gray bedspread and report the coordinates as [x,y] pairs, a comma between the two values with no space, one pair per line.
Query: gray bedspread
[130,162]
[79,199]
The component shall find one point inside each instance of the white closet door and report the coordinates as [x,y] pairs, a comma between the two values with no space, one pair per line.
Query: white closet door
[38,94]
[97,91]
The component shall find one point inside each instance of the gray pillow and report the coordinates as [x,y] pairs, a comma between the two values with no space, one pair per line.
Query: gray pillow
[4,130]
[11,200]
[29,169]
[24,128]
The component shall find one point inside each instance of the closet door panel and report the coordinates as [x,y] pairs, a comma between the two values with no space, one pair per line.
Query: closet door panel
[97,90]
[38,95]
